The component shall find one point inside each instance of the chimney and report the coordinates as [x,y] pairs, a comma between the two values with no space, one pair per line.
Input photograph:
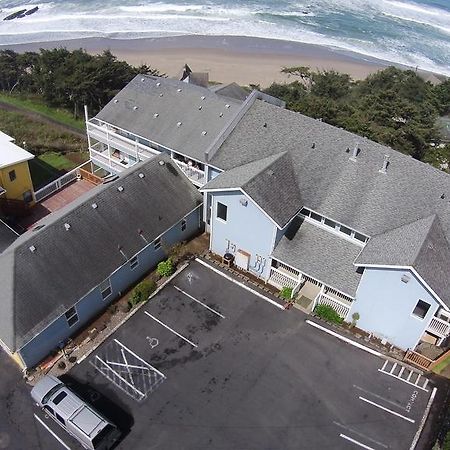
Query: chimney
[385,164]
[355,153]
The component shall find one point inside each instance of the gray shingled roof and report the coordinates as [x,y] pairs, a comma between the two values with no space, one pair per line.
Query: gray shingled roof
[232,90]
[321,255]
[420,244]
[197,108]
[354,193]
[7,237]
[270,182]
[39,286]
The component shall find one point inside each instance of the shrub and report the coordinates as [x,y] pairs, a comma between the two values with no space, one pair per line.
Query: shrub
[327,313]
[165,268]
[141,293]
[286,293]
[355,318]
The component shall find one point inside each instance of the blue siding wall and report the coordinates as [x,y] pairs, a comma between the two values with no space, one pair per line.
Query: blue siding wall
[92,304]
[385,305]
[246,227]
[212,173]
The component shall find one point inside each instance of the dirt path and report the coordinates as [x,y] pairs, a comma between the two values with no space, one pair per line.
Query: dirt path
[41,118]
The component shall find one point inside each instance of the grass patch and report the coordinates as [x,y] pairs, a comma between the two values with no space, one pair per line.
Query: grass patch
[37,105]
[39,137]
[58,161]
[442,365]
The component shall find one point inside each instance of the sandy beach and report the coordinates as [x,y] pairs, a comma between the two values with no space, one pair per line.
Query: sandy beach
[226,58]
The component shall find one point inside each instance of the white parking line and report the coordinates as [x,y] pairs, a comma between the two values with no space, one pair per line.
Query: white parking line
[360,434]
[356,442]
[51,432]
[379,397]
[242,285]
[171,329]
[386,409]
[198,301]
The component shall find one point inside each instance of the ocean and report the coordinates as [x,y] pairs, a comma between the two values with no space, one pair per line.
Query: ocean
[415,33]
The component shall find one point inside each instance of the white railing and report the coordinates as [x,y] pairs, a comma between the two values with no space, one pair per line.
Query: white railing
[439,326]
[56,185]
[341,308]
[289,270]
[279,279]
[102,160]
[108,136]
[194,174]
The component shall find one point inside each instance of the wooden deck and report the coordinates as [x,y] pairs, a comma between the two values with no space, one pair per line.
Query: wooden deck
[56,201]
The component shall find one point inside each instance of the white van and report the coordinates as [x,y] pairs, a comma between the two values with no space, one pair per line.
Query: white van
[90,428]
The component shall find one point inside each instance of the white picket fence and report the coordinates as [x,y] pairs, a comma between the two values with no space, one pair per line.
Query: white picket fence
[341,308]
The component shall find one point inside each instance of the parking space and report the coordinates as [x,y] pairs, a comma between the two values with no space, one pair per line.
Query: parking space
[208,365]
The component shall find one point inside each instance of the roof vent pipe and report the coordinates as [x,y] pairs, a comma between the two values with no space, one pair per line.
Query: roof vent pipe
[354,153]
[385,164]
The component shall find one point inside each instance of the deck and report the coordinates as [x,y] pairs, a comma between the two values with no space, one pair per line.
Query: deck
[56,201]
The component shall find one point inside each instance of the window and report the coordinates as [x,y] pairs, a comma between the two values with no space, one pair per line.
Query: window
[71,316]
[345,230]
[12,175]
[60,418]
[316,216]
[134,262]
[222,211]
[157,244]
[59,398]
[183,225]
[105,289]
[305,212]
[49,410]
[360,237]
[330,223]
[421,309]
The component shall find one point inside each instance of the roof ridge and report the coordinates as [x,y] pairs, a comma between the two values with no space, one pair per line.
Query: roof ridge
[275,158]
[434,217]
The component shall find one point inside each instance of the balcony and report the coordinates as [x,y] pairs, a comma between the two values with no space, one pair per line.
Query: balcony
[439,327]
[106,161]
[195,175]
[280,278]
[340,306]
[110,136]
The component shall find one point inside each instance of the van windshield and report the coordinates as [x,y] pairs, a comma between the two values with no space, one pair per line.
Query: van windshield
[50,393]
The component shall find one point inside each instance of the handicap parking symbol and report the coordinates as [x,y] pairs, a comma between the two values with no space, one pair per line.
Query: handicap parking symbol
[153,342]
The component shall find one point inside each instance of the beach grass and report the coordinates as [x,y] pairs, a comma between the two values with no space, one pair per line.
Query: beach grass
[37,105]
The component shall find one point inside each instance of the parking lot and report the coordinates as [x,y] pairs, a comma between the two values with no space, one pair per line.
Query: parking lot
[208,365]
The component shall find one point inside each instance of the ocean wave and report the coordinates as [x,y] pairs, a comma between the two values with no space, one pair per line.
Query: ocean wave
[359,26]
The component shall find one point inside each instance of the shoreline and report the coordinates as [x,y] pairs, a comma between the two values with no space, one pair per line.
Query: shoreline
[245,60]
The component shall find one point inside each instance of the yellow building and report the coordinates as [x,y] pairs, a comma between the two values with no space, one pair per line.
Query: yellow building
[15,178]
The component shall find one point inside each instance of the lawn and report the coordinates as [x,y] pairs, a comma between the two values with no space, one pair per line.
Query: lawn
[35,104]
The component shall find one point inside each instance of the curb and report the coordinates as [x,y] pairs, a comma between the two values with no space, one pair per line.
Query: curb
[132,313]
[242,285]
[347,340]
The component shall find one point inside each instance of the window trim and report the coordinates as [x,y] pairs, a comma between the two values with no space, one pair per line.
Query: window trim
[217,212]
[416,305]
[74,314]
[134,262]
[103,288]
